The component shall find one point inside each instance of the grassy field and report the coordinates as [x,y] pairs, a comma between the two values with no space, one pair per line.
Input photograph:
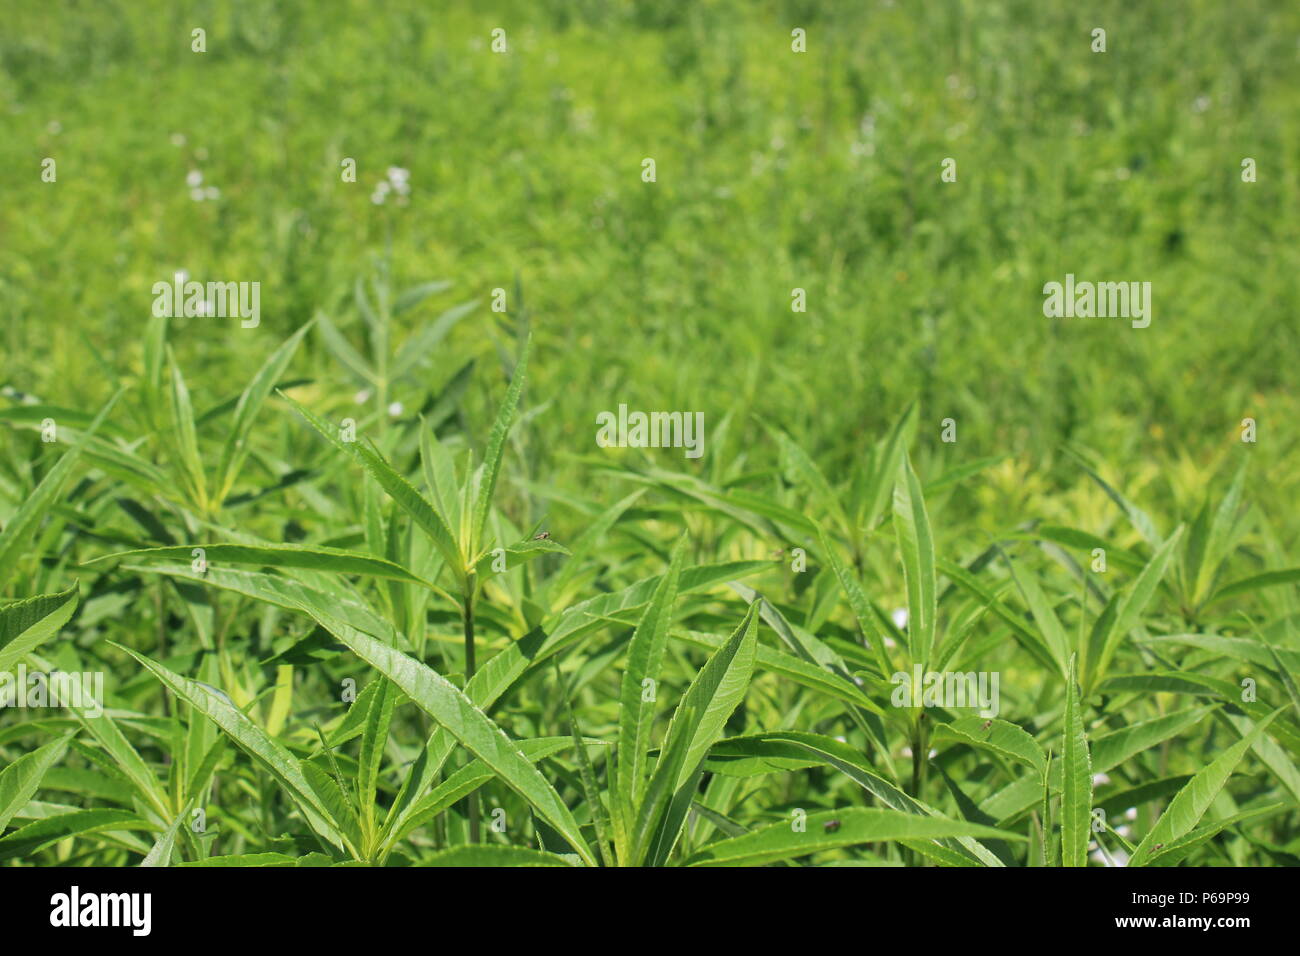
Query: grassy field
[420,578]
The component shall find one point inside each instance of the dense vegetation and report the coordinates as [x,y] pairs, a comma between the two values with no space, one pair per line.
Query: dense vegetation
[362,585]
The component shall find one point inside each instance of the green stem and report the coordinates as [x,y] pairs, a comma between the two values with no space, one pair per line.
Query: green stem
[920,752]
[468,617]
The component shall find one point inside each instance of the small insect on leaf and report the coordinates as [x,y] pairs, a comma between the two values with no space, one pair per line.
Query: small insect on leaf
[987,725]
[541,537]
[830,826]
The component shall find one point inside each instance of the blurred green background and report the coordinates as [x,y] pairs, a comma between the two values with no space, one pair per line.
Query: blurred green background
[775,170]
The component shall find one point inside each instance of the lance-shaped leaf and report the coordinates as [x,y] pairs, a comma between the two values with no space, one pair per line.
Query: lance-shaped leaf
[487,855]
[996,736]
[379,717]
[774,749]
[34,837]
[1187,808]
[22,778]
[566,629]
[185,438]
[252,739]
[876,493]
[16,537]
[1173,853]
[1076,793]
[1049,625]
[805,470]
[858,601]
[1128,611]
[26,625]
[516,555]
[1269,579]
[398,488]
[496,448]
[915,542]
[832,829]
[1138,518]
[161,853]
[465,781]
[423,343]
[714,694]
[645,655]
[479,734]
[348,356]
[313,557]
[235,450]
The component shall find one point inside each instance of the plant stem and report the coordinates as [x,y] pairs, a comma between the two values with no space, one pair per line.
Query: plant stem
[468,616]
[920,753]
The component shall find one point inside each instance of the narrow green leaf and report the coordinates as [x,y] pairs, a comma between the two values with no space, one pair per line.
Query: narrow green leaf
[26,625]
[185,438]
[638,694]
[1076,793]
[833,829]
[34,837]
[235,450]
[17,535]
[1130,608]
[889,460]
[996,736]
[252,739]
[496,448]
[446,704]
[398,488]
[373,742]
[342,349]
[1049,625]
[161,853]
[1187,808]
[712,697]
[915,542]
[309,557]
[487,855]
[21,779]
